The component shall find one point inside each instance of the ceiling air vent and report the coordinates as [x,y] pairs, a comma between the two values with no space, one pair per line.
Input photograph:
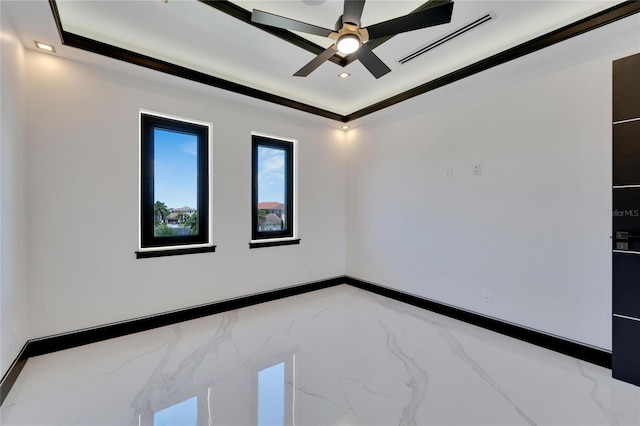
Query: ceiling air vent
[448,37]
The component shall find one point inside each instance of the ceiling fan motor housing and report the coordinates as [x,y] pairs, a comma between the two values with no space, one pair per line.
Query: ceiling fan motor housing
[350,31]
[340,22]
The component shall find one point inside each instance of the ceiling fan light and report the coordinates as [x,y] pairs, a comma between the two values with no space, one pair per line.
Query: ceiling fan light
[348,43]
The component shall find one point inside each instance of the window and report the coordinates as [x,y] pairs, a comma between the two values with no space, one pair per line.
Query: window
[175,182]
[273,192]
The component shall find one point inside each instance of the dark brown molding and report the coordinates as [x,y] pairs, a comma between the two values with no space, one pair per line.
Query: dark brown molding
[597,20]
[104,49]
[56,18]
[592,22]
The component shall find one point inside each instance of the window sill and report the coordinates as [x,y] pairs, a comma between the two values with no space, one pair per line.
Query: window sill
[273,243]
[174,252]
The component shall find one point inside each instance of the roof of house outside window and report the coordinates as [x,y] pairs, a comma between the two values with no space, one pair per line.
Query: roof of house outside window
[270,205]
[183,209]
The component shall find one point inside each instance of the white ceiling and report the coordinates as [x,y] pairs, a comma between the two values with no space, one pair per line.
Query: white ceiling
[192,34]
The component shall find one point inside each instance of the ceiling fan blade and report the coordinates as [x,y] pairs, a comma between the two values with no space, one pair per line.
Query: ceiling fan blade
[315,62]
[266,18]
[352,11]
[414,21]
[371,61]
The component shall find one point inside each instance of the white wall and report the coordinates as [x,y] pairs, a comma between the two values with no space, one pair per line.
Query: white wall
[13,286]
[533,229]
[83,199]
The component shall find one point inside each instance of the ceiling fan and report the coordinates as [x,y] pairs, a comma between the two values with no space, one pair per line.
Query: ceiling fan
[351,38]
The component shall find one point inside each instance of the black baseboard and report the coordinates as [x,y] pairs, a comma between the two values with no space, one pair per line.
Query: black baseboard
[73,339]
[58,342]
[49,344]
[548,341]
[12,374]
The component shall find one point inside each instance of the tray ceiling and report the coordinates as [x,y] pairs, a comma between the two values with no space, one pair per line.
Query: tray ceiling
[197,36]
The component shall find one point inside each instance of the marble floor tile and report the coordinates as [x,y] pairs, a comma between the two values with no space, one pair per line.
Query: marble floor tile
[339,356]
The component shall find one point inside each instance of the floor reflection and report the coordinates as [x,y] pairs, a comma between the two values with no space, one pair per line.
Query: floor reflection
[184,413]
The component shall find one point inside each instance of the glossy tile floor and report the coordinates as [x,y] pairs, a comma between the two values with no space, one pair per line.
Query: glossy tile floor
[339,356]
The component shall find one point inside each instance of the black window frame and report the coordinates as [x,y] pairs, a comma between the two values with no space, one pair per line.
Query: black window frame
[148,123]
[287,236]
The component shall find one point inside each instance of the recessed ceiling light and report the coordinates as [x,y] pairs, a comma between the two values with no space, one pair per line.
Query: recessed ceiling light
[345,127]
[45,46]
[344,75]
